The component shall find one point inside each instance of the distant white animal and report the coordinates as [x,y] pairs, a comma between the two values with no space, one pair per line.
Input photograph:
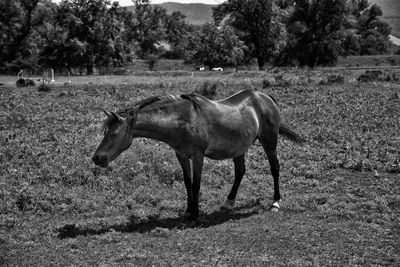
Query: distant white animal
[43,80]
[217,69]
[202,69]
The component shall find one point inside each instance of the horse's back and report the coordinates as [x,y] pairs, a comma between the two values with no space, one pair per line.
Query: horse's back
[232,124]
[246,95]
[264,105]
[263,109]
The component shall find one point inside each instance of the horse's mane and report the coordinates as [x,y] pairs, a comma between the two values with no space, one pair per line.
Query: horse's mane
[194,98]
[144,103]
[160,100]
[132,112]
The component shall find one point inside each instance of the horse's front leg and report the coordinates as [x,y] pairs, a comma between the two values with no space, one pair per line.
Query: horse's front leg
[187,178]
[197,161]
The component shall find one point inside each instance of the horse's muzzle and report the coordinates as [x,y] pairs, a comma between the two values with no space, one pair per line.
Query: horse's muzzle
[100,160]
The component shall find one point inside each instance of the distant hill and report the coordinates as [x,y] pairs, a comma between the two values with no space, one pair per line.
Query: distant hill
[391,13]
[196,14]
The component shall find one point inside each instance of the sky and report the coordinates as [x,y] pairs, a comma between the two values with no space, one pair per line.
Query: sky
[129,2]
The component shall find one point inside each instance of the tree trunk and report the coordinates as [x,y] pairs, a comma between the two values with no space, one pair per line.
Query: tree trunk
[261,63]
[89,69]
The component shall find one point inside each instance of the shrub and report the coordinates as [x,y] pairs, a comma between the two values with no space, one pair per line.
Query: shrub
[266,83]
[377,75]
[208,89]
[332,79]
[281,81]
[370,75]
[21,82]
[44,87]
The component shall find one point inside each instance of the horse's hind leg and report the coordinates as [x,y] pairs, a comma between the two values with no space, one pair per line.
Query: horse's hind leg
[240,169]
[269,145]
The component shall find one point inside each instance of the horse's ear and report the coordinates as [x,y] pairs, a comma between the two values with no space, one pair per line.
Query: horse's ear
[117,117]
[107,113]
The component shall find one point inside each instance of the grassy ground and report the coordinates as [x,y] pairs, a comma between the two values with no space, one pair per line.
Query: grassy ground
[341,201]
[165,67]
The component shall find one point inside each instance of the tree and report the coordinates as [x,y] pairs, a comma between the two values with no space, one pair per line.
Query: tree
[111,49]
[145,28]
[315,33]
[258,23]
[356,7]
[18,21]
[215,47]
[364,32]
[85,34]
[176,31]
[350,44]
[374,33]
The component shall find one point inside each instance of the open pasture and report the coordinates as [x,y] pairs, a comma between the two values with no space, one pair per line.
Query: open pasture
[340,191]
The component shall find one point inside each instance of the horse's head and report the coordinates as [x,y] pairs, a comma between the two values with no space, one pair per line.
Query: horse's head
[117,138]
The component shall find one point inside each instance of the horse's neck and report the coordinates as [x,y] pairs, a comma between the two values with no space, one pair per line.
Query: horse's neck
[155,125]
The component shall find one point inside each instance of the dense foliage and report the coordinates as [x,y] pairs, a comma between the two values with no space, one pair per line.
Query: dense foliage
[18,41]
[82,35]
[258,24]
[144,27]
[314,28]
[215,47]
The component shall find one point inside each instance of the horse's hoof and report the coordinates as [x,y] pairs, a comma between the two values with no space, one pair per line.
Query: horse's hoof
[274,207]
[193,216]
[227,206]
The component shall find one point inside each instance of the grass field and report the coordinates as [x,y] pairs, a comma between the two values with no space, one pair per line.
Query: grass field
[341,201]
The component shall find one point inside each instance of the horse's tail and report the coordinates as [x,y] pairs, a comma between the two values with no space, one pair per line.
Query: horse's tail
[285,131]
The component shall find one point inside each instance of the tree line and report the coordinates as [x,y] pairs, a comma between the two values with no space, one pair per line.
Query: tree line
[82,34]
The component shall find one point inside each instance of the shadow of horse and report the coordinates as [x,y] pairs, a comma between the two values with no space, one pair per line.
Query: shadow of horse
[154,222]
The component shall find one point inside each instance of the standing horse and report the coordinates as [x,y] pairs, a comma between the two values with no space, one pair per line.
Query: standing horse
[196,127]
[218,69]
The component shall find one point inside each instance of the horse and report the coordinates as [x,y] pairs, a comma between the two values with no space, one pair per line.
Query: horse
[218,69]
[197,127]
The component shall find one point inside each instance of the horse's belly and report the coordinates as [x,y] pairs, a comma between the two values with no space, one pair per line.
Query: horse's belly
[220,154]
[231,131]
[228,147]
